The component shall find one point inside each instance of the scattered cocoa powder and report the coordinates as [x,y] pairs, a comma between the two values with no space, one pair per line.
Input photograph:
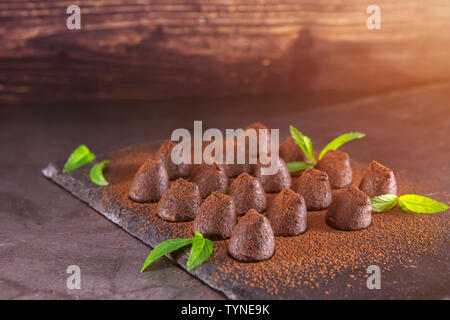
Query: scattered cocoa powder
[312,259]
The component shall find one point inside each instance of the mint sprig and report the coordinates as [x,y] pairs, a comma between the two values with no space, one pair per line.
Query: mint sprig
[79,157]
[201,250]
[420,204]
[96,174]
[408,202]
[305,144]
[384,203]
[82,156]
[298,165]
[339,141]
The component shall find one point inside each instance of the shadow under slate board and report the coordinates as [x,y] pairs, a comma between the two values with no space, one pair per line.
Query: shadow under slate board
[332,264]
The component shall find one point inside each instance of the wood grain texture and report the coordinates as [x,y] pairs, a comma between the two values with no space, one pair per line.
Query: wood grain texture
[155,49]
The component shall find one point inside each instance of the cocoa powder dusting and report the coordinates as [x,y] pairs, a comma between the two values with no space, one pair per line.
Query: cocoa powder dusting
[312,259]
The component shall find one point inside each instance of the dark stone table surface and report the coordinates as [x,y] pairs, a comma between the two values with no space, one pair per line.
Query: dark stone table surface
[43,229]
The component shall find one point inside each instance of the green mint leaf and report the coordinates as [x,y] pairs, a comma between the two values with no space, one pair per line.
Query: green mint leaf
[164,248]
[298,165]
[384,203]
[420,204]
[400,203]
[96,174]
[304,143]
[339,141]
[200,252]
[79,157]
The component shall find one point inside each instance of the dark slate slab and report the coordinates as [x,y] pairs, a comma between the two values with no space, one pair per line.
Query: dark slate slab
[424,275]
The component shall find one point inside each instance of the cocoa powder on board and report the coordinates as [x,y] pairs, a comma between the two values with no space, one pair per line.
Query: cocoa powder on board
[312,259]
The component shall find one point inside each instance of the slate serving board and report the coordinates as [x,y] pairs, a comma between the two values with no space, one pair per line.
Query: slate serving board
[417,271]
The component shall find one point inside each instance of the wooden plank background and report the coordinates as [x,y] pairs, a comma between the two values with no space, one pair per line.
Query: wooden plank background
[158,49]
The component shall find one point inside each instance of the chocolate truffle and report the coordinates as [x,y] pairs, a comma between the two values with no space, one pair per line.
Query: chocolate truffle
[164,155]
[257,127]
[234,169]
[337,166]
[180,202]
[209,178]
[247,193]
[378,180]
[216,217]
[349,210]
[252,239]
[274,182]
[315,188]
[287,214]
[149,182]
[290,151]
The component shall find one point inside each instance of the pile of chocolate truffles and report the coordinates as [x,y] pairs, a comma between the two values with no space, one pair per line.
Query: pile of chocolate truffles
[230,201]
